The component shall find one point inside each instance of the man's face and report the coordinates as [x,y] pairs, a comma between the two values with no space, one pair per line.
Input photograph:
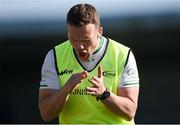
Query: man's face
[84,39]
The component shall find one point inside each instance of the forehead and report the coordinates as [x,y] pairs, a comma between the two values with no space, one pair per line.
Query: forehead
[86,32]
[84,29]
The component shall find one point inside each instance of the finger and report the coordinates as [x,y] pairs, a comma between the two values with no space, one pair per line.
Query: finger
[86,73]
[91,90]
[92,93]
[96,79]
[95,83]
[99,71]
[78,81]
[83,75]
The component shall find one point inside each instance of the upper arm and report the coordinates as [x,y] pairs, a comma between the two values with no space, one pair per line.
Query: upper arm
[45,96]
[129,81]
[130,93]
[50,82]
[43,93]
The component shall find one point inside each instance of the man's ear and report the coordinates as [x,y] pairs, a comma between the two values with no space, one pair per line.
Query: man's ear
[100,30]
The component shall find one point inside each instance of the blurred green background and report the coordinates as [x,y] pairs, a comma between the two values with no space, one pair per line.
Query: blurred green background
[29,29]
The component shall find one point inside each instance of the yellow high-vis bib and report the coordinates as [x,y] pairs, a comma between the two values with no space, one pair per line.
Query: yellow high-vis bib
[82,108]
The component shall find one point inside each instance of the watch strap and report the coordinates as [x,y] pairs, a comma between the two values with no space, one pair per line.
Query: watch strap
[105,95]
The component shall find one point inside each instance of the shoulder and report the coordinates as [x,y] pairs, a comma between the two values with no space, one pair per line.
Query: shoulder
[117,43]
[63,44]
[118,47]
[63,49]
[49,56]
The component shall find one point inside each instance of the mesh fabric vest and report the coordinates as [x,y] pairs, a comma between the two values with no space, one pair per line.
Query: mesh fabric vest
[82,108]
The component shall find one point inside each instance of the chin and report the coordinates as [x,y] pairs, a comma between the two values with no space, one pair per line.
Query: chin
[84,58]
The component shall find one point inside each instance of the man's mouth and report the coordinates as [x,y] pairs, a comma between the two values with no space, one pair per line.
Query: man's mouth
[82,53]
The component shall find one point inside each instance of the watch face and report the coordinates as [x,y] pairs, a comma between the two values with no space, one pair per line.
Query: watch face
[106,94]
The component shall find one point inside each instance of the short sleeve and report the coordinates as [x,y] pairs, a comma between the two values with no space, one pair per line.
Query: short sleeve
[49,76]
[130,76]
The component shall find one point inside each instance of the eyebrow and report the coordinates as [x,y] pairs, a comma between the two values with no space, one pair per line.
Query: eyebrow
[82,39]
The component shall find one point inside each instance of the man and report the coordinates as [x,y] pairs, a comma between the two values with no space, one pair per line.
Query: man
[89,78]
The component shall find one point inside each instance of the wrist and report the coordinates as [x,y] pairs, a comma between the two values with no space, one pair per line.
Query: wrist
[105,95]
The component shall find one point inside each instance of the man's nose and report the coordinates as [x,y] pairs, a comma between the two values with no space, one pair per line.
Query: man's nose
[80,46]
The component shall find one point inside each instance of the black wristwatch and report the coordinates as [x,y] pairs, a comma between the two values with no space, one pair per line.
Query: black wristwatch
[104,96]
